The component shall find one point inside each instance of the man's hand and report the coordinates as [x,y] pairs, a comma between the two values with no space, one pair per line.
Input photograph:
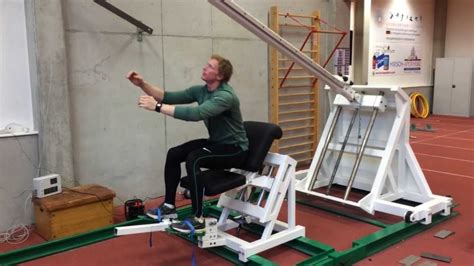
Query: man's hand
[135,78]
[147,102]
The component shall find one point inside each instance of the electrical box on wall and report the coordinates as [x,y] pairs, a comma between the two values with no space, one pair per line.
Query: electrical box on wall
[48,185]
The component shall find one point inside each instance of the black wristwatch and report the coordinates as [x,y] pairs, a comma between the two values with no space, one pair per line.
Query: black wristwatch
[158,107]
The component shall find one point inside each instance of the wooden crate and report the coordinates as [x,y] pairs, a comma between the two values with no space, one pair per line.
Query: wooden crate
[74,211]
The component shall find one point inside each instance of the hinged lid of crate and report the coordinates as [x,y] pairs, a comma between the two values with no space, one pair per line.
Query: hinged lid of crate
[75,196]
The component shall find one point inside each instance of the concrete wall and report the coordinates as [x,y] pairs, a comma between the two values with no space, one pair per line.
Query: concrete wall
[18,162]
[90,128]
[52,108]
[118,145]
[361,41]
[439,34]
[25,157]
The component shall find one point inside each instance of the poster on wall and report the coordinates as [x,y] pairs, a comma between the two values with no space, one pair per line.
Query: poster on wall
[401,43]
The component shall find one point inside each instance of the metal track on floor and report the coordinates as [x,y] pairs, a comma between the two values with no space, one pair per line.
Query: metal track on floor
[318,253]
[65,244]
[366,246]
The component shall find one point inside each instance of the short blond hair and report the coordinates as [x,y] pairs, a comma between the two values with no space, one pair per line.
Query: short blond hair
[224,67]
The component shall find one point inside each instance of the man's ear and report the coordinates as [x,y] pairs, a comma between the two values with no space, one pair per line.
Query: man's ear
[219,77]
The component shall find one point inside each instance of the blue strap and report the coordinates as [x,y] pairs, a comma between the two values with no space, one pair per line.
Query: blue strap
[190,226]
[191,235]
[158,214]
[158,218]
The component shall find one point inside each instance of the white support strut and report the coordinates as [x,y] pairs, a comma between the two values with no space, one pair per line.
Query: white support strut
[142,228]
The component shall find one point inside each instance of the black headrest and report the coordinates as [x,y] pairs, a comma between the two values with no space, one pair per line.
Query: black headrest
[261,136]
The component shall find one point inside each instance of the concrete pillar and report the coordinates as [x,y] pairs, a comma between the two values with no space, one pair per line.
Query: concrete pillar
[51,88]
[361,41]
[439,34]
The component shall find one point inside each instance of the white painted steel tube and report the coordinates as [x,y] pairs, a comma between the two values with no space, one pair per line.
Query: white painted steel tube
[241,16]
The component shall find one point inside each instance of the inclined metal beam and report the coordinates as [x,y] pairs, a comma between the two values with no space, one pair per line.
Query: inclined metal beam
[124,15]
[241,16]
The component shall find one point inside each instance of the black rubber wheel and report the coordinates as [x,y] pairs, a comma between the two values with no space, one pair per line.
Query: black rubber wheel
[187,194]
[407,216]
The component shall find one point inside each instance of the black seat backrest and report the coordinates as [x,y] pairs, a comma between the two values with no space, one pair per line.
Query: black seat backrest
[261,136]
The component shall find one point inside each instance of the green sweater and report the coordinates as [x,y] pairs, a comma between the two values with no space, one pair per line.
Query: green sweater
[219,109]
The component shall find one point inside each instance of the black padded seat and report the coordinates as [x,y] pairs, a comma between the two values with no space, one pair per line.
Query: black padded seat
[261,136]
[217,181]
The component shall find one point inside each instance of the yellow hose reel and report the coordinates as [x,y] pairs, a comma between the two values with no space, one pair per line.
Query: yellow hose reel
[419,100]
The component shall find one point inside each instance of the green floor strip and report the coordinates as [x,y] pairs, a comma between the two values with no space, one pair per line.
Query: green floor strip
[61,245]
[305,245]
[65,244]
[341,213]
[302,244]
[375,242]
[231,256]
[320,253]
[310,247]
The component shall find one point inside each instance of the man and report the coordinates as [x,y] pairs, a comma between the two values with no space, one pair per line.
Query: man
[219,108]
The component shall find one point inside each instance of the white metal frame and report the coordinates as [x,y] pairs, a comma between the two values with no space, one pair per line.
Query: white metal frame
[264,210]
[389,169]
[277,182]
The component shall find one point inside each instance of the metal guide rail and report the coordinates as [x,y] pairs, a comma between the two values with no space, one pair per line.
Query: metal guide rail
[318,253]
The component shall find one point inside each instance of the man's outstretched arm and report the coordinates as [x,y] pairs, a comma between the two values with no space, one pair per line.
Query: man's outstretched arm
[154,91]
